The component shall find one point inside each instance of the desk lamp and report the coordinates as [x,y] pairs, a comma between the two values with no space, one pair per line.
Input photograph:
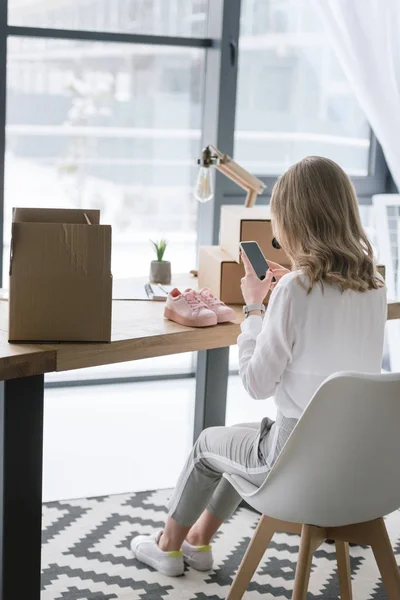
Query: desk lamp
[211,156]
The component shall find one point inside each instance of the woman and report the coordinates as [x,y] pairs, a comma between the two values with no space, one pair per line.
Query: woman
[326,315]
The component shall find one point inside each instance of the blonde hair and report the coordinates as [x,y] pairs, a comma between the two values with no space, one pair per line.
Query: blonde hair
[316,220]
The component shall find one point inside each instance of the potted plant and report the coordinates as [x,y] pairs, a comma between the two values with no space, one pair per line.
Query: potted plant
[160,270]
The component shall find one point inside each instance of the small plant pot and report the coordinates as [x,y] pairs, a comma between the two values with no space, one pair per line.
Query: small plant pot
[160,272]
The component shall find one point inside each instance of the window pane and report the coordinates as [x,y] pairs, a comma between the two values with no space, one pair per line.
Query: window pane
[157,17]
[293,97]
[108,126]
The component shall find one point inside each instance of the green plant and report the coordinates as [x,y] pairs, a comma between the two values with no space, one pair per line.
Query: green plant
[160,248]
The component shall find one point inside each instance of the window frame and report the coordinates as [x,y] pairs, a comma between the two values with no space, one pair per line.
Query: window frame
[366,186]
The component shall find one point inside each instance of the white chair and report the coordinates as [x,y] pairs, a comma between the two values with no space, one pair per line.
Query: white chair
[336,478]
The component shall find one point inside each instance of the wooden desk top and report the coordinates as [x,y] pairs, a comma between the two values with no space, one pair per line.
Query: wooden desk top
[138,331]
[21,360]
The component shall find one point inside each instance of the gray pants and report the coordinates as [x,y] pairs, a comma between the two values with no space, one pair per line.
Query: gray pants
[248,450]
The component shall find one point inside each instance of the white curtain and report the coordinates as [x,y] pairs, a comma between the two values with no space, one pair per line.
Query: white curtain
[366,37]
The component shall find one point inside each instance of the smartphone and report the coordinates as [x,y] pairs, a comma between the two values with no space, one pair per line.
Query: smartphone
[256,257]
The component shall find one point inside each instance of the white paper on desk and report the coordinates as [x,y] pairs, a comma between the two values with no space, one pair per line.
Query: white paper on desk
[131,289]
[158,292]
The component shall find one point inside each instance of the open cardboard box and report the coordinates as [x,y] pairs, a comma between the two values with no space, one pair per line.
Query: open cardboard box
[60,276]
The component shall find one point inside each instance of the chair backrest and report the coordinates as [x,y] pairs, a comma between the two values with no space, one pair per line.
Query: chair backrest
[341,464]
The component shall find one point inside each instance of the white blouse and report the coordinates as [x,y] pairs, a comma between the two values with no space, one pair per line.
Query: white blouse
[305,338]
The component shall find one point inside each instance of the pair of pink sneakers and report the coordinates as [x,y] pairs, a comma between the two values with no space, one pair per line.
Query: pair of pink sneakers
[197,309]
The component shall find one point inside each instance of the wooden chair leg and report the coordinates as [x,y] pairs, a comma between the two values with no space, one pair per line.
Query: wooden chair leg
[344,572]
[254,553]
[386,560]
[311,539]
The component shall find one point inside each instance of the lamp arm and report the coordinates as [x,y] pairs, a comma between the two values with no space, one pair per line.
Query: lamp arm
[224,163]
[239,175]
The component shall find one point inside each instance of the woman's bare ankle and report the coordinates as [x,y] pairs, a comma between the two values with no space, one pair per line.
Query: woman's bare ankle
[202,532]
[196,538]
[173,535]
[167,545]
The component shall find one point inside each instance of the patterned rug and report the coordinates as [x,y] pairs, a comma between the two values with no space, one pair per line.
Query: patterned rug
[86,556]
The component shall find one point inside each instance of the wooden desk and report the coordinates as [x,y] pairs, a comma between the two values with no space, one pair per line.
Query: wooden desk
[139,331]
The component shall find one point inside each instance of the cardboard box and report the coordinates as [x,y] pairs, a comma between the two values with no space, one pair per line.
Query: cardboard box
[60,276]
[221,274]
[240,224]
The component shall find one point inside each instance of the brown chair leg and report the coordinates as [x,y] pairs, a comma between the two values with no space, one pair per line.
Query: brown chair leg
[254,553]
[385,559]
[311,539]
[344,573]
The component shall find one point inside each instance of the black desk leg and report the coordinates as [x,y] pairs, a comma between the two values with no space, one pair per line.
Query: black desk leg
[21,450]
[211,388]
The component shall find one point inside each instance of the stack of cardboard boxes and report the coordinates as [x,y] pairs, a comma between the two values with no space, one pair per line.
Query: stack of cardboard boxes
[220,268]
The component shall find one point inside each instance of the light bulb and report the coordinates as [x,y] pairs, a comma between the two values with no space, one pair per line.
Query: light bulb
[203,191]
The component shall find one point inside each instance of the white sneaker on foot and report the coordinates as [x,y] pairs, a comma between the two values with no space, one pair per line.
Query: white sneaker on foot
[145,548]
[198,557]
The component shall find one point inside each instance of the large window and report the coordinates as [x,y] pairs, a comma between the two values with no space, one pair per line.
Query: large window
[109,126]
[104,110]
[293,98]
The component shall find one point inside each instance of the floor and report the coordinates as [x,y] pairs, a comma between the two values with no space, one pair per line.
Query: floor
[111,439]
[86,556]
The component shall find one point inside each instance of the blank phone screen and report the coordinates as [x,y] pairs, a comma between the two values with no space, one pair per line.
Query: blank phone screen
[256,257]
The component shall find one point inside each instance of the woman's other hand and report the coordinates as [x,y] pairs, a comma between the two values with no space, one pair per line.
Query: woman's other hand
[254,290]
[278,271]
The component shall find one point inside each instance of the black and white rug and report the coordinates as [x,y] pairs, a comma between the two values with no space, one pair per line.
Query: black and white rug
[86,556]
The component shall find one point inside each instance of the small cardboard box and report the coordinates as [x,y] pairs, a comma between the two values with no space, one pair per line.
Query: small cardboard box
[240,224]
[60,276]
[221,274]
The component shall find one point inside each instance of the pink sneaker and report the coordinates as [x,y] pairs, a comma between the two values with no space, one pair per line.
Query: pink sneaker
[223,312]
[188,309]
